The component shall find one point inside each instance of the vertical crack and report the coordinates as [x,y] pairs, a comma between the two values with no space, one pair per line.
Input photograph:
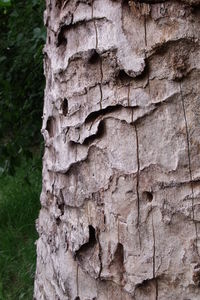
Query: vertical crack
[101,80]
[77,282]
[100,61]
[100,255]
[189,165]
[138,170]
[54,174]
[95,25]
[138,183]
[154,260]
[146,44]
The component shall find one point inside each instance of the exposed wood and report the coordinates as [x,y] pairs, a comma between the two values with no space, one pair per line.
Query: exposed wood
[121,170]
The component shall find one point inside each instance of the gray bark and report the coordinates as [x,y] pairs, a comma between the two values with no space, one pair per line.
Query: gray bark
[120,215]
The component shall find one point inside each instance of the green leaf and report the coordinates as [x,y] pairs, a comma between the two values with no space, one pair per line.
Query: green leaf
[4,3]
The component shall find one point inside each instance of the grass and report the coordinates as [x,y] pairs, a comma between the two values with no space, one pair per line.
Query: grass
[19,206]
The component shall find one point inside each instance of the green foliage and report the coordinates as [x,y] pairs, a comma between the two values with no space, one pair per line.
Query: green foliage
[4,3]
[19,207]
[22,38]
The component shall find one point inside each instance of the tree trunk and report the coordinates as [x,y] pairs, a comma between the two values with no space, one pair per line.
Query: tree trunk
[120,216]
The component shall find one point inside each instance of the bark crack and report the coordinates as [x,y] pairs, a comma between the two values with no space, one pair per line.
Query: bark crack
[77,282]
[100,61]
[100,256]
[101,81]
[189,164]
[95,25]
[138,183]
[146,44]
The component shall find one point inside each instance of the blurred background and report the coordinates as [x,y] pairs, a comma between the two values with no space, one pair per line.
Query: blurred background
[22,37]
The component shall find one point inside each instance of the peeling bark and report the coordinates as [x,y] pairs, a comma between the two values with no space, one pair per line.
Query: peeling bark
[120,202]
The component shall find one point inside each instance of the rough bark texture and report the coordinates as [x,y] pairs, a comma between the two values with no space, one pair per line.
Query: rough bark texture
[120,216]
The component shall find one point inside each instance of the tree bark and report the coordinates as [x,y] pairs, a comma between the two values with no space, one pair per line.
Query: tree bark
[120,216]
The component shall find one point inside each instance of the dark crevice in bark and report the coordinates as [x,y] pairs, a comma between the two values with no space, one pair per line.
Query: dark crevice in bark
[98,135]
[61,203]
[101,94]
[145,283]
[102,112]
[87,55]
[146,60]
[85,253]
[112,108]
[148,196]
[148,287]
[189,166]
[61,39]
[91,242]
[148,78]
[100,256]
[138,182]
[58,221]
[101,127]
[65,107]
[123,77]
[50,127]
[62,208]
[101,81]
[77,283]
[94,57]
[138,171]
